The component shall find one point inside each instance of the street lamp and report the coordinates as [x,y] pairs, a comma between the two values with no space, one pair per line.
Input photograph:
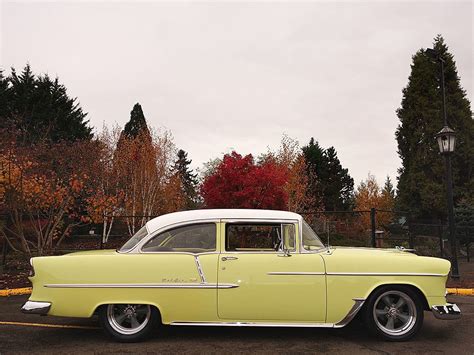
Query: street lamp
[447,142]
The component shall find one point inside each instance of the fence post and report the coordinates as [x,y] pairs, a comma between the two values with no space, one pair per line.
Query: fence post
[4,254]
[468,247]
[411,237]
[372,226]
[102,237]
[440,236]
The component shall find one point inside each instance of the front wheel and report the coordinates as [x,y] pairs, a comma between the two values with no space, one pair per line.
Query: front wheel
[394,313]
[128,322]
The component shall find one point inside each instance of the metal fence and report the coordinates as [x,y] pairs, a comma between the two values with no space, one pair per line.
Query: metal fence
[369,228]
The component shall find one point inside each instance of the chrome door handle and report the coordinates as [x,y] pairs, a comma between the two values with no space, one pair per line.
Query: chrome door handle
[225,258]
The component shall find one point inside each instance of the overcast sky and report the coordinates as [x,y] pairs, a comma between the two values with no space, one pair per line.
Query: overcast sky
[234,75]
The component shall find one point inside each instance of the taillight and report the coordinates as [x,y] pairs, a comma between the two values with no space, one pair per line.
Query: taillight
[32,269]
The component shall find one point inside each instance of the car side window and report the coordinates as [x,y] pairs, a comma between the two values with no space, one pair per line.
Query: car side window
[195,238]
[266,237]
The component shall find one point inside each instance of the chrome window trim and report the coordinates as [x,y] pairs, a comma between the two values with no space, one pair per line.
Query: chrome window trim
[281,222]
[138,248]
[259,220]
[145,285]
[302,248]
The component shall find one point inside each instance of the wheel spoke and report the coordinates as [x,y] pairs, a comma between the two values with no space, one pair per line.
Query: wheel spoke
[380,313]
[390,324]
[403,317]
[134,321]
[401,302]
[387,300]
[120,318]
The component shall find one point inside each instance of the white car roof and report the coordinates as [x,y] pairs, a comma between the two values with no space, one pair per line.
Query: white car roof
[196,215]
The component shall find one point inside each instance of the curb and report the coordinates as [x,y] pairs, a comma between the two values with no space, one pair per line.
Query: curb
[27,291]
[460,291]
[15,292]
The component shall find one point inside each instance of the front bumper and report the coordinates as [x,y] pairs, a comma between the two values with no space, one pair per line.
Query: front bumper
[446,311]
[34,307]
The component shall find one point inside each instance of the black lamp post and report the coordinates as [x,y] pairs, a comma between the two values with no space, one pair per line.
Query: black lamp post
[447,141]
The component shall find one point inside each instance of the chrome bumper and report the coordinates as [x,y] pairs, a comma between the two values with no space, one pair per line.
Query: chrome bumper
[34,307]
[446,311]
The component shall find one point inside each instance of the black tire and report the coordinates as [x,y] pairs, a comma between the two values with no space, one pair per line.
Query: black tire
[145,320]
[394,313]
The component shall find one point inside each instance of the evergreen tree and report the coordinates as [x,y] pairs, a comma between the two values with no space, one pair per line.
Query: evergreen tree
[3,100]
[137,122]
[40,109]
[421,188]
[136,129]
[188,179]
[388,189]
[335,187]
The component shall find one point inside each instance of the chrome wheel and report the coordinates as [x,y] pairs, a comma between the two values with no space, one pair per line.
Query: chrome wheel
[128,319]
[394,313]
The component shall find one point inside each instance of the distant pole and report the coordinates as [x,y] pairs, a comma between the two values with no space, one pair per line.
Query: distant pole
[372,225]
[449,186]
[447,142]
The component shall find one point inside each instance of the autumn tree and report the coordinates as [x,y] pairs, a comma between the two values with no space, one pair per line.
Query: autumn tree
[143,163]
[421,189]
[299,182]
[106,199]
[370,195]
[238,182]
[41,192]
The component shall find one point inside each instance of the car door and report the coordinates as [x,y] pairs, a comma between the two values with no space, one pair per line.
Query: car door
[181,262]
[274,282]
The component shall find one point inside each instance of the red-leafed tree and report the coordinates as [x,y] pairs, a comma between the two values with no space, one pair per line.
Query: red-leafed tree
[238,182]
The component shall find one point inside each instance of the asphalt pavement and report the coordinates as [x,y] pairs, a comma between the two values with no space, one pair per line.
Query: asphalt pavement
[18,334]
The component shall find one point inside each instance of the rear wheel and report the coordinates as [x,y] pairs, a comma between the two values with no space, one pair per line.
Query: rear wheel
[394,312]
[128,322]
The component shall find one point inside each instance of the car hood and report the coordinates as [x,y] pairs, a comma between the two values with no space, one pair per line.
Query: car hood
[370,251]
[375,260]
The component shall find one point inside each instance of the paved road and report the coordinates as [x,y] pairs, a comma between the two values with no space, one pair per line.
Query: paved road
[456,337]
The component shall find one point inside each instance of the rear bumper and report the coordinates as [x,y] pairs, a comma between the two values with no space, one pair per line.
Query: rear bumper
[34,307]
[446,311]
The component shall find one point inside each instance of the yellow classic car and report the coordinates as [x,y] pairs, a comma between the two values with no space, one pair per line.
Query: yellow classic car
[240,268]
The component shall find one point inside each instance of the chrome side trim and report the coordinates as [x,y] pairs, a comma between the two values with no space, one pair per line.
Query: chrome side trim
[354,273]
[256,324]
[199,268]
[358,303]
[383,274]
[151,285]
[34,307]
[447,311]
[294,273]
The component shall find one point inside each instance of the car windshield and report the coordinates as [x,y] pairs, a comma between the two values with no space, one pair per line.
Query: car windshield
[311,240]
[137,237]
